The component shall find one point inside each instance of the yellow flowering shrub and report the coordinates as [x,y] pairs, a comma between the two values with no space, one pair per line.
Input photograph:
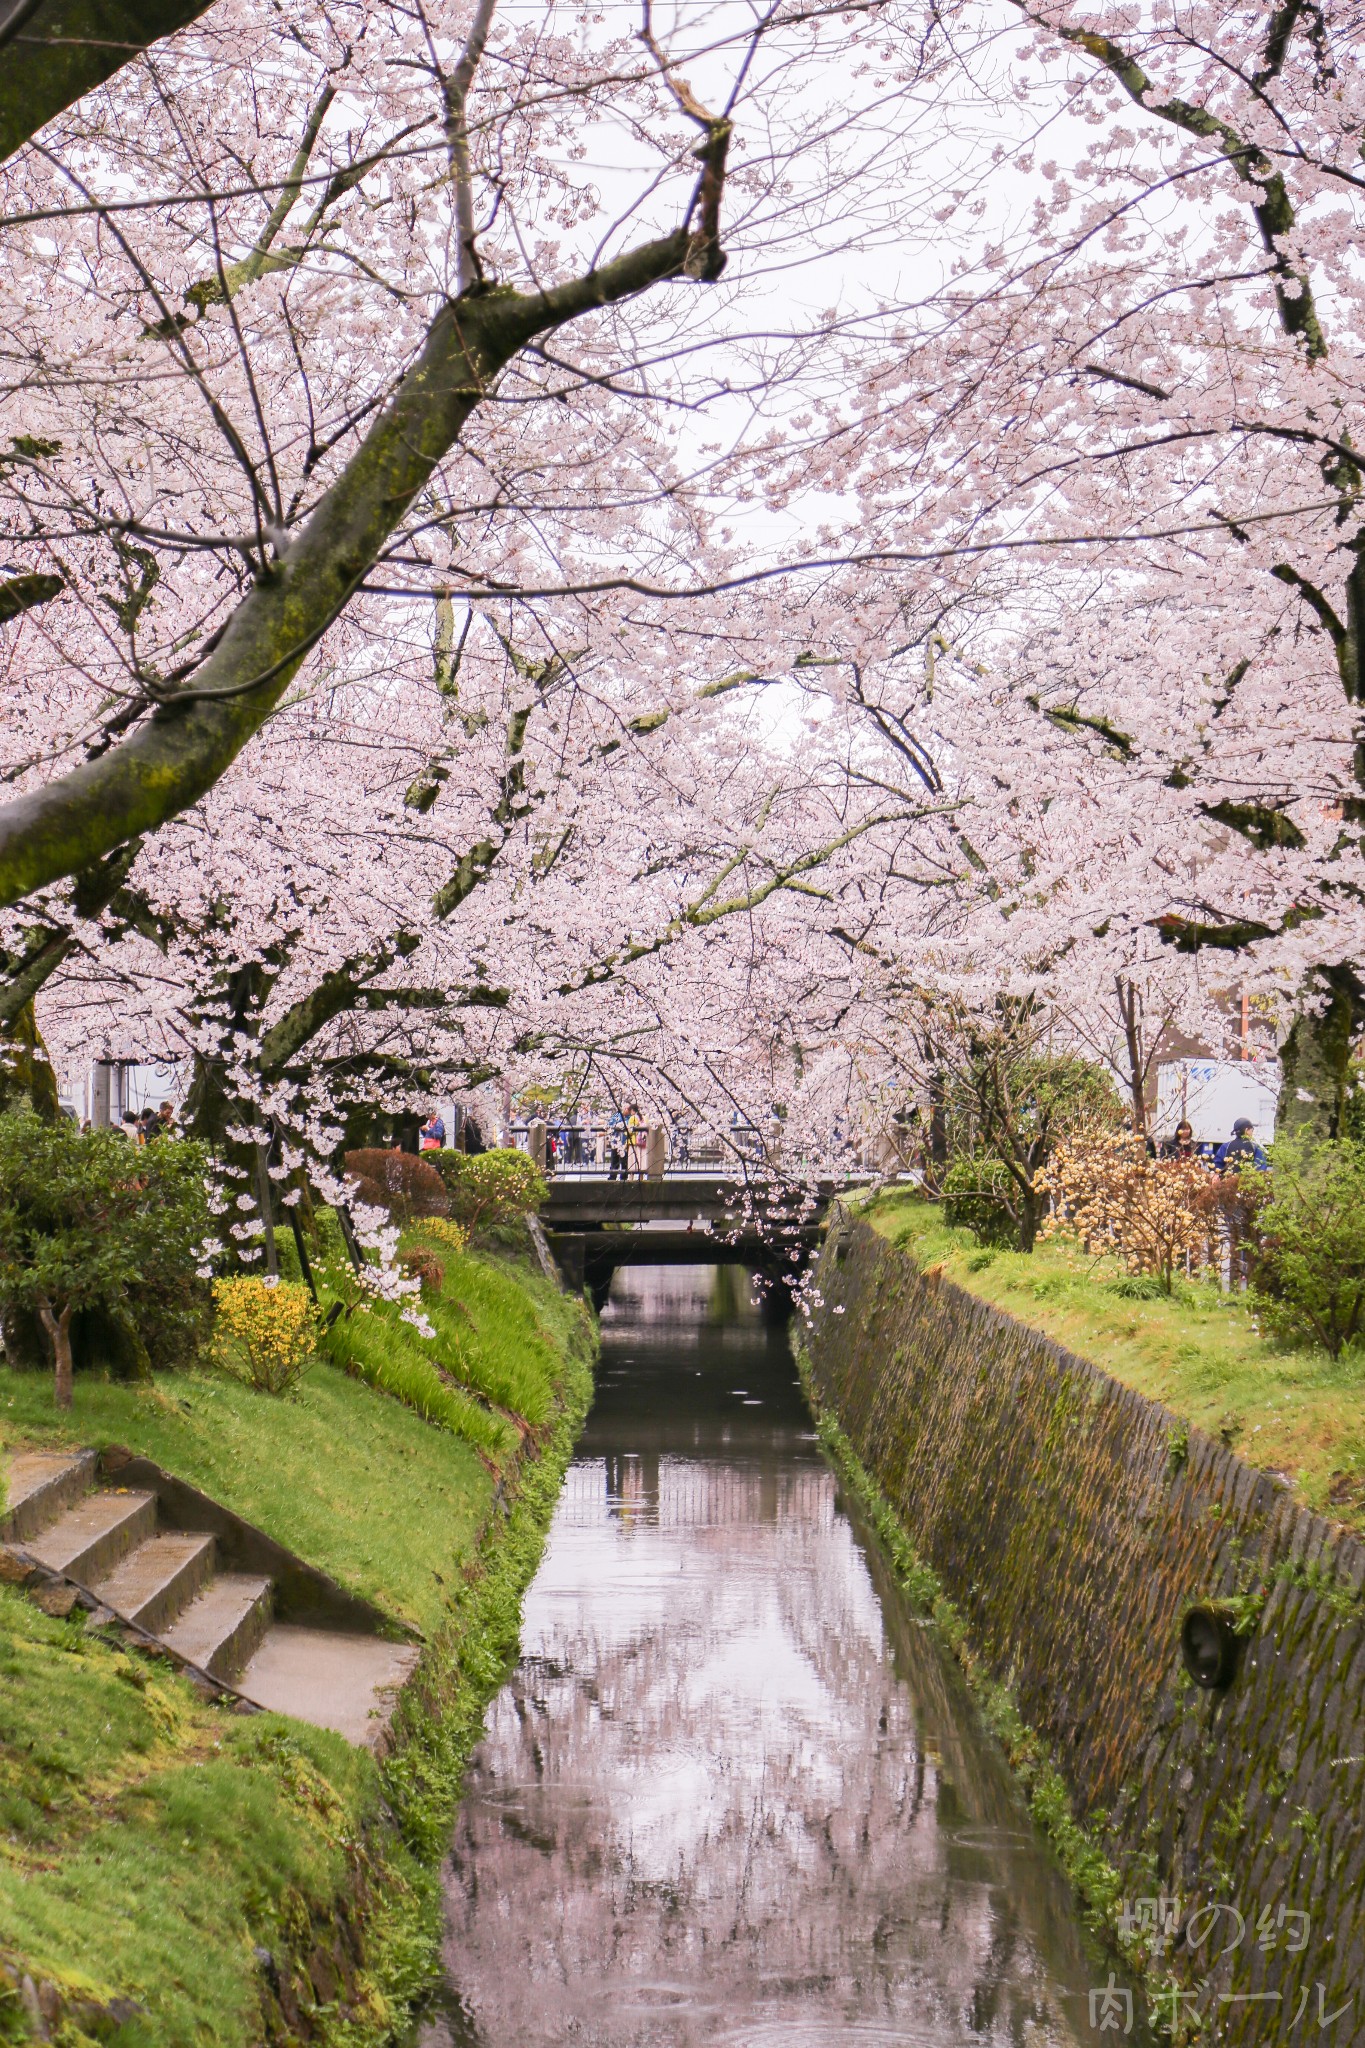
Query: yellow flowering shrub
[453,1236]
[265,1333]
[1157,1214]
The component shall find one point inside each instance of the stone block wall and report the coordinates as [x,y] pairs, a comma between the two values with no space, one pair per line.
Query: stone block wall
[1073,1523]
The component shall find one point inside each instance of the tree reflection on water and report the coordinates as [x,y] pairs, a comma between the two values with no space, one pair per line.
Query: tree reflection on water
[734,1793]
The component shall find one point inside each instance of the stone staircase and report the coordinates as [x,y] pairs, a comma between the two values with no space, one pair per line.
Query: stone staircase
[275,1634]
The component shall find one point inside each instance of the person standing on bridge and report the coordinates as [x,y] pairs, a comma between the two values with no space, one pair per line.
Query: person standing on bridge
[617,1139]
[639,1138]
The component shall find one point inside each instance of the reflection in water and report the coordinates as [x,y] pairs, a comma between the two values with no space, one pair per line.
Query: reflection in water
[733,1792]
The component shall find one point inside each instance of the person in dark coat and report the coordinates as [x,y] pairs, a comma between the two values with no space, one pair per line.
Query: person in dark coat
[1240,1150]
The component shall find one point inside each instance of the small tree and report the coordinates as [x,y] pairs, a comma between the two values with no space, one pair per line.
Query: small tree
[490,1190]
[89,1221]
[1020,1101]
[1308,1273]
[405,1183]
[1155,1213]
[977,1195]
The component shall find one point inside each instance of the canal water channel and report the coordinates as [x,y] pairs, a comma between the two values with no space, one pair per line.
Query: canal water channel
[735,1792]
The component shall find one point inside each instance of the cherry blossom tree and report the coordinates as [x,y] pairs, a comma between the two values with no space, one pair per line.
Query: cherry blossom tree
[1130,409]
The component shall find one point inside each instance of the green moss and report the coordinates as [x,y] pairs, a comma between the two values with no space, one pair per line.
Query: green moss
[1079,1850]
[1299,1413]
[149,1840]
[468,1658]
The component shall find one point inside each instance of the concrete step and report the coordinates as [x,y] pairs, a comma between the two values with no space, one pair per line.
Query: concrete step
[165,1581]
[156,1582]
[334,1680]
[41,1485]
[220,1630]
[87,1541]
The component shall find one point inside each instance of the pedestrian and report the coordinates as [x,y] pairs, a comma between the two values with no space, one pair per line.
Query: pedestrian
[432,1136]
[639,1137]
[165,1121]
[1241,1150]
[617,1139]
[1181,1145]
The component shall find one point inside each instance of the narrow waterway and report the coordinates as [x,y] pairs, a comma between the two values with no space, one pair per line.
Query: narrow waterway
[735,1792]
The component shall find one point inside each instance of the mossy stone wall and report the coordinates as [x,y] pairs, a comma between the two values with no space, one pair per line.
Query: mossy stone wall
[1073,1523]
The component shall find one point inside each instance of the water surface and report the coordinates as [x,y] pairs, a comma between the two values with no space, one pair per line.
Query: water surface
[735,1792]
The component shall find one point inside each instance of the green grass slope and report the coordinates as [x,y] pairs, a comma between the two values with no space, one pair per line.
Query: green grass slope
[352,1481]
[149,1842]
[151,1845]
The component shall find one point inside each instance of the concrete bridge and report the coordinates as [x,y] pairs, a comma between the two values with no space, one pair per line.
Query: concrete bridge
[595,1225]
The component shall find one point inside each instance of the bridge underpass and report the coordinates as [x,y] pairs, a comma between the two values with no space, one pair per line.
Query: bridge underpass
[595,1225]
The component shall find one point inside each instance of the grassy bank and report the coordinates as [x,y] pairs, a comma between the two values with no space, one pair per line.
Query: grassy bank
[158,1849]
[148,1842]
[1297,1413]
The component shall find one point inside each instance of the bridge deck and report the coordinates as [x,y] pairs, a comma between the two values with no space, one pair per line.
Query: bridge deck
[594,1202]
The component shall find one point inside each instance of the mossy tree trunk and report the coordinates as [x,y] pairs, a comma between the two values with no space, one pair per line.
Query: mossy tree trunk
[55,50]
[179,753]
[26,1074]
[1316,1059]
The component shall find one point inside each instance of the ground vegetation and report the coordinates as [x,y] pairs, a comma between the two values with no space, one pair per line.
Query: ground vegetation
[156,1848]
[1289,1409]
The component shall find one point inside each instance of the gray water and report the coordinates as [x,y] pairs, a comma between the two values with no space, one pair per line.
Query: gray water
[735,1792]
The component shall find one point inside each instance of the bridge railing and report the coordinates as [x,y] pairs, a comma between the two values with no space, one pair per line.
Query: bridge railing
[600,1151]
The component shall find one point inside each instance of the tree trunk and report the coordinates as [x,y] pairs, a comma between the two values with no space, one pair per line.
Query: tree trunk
[26,1074]
[59,49]
[58,1328]
[1130,1011]
[265,1197]
[170,760]
[1032,1210]
[1316,1060]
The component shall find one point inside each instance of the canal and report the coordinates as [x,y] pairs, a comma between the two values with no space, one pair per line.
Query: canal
[735,1792]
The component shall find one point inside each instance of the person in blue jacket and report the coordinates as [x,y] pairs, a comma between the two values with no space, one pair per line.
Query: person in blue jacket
[1240,1150]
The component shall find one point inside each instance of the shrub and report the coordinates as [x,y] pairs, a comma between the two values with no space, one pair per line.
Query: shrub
[1018,1102]
[489,1190]
[89,1223]
[1308,1272]
[976,1197]
[404,1183]
[267,1331]
[425,1267]
[452,1237]
[1155,1213]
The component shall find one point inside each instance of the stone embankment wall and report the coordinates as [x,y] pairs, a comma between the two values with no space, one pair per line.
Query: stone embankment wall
[1073,1523]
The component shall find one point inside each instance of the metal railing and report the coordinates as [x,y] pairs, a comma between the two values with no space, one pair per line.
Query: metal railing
[604,1151]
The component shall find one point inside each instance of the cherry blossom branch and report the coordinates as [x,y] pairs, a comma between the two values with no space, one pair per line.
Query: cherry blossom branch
[1273,210]
[455,92]
[182,750]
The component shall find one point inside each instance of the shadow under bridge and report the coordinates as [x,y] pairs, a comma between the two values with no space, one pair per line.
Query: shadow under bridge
[596,1225]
